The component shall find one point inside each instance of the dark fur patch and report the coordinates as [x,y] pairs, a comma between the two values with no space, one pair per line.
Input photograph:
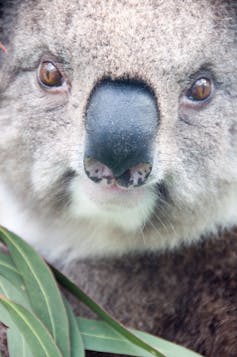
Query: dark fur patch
[189,297]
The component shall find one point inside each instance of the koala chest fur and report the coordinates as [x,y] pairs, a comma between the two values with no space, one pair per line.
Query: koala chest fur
[118,141]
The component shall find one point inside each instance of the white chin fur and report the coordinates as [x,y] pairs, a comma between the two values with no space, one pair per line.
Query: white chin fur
[127,210]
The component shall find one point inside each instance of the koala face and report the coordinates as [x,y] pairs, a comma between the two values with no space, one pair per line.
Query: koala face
[118,124]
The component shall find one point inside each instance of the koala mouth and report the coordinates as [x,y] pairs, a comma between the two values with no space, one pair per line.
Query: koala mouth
[109,192]
[109,203]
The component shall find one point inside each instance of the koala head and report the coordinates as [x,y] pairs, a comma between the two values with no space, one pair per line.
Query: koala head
[118,123]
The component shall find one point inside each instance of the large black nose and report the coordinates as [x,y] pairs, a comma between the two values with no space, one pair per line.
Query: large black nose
[121,124]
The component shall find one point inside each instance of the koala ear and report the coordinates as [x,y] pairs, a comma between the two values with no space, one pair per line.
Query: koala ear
[2,48]
[6,7]
[6,18]
[3,4]
[1,25]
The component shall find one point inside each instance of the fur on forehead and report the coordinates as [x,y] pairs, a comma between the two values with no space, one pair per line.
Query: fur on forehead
[105,37]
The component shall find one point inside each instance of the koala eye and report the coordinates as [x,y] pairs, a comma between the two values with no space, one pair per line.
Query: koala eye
[200,90]
[49,75]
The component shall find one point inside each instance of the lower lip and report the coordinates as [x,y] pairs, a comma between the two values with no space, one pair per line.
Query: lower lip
[113,194]
[116,188]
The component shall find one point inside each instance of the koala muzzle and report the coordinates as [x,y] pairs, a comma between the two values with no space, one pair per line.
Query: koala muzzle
[121,124]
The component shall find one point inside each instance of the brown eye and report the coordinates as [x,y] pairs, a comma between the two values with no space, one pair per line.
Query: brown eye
[200,90]
[49,75]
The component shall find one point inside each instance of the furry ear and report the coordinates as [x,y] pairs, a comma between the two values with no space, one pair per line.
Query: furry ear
[6,18]
[6,8]
[3,5]
[1,26]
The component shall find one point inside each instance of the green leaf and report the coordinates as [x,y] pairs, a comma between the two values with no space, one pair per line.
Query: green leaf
[16,344]
[8,290]
[5,258]
[8,270]
[169,348]
[12,286]
[41,286]
[37,337]
[77,344]
[77,292]
[11,292]
[100,337]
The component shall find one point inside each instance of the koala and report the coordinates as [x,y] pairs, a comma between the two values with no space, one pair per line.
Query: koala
[118,155]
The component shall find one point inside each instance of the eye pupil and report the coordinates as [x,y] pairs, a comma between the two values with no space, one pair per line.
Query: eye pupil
[49,75]
[200,90]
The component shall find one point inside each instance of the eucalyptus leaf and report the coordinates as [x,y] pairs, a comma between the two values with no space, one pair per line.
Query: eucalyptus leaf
[77,344]
[11,292]
[35,334]
[8,270]
[99,336]
[17,345]
[41,286]
[5,317]
[169,348]
[5,258]
[82,296]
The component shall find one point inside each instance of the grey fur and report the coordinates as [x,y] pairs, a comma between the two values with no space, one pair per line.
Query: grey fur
[192,189]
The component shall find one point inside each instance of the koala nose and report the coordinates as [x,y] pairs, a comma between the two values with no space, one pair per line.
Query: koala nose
[121,125]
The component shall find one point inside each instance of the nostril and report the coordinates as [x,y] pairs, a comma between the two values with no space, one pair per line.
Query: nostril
[97,171]
[140,173]
[134,177]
